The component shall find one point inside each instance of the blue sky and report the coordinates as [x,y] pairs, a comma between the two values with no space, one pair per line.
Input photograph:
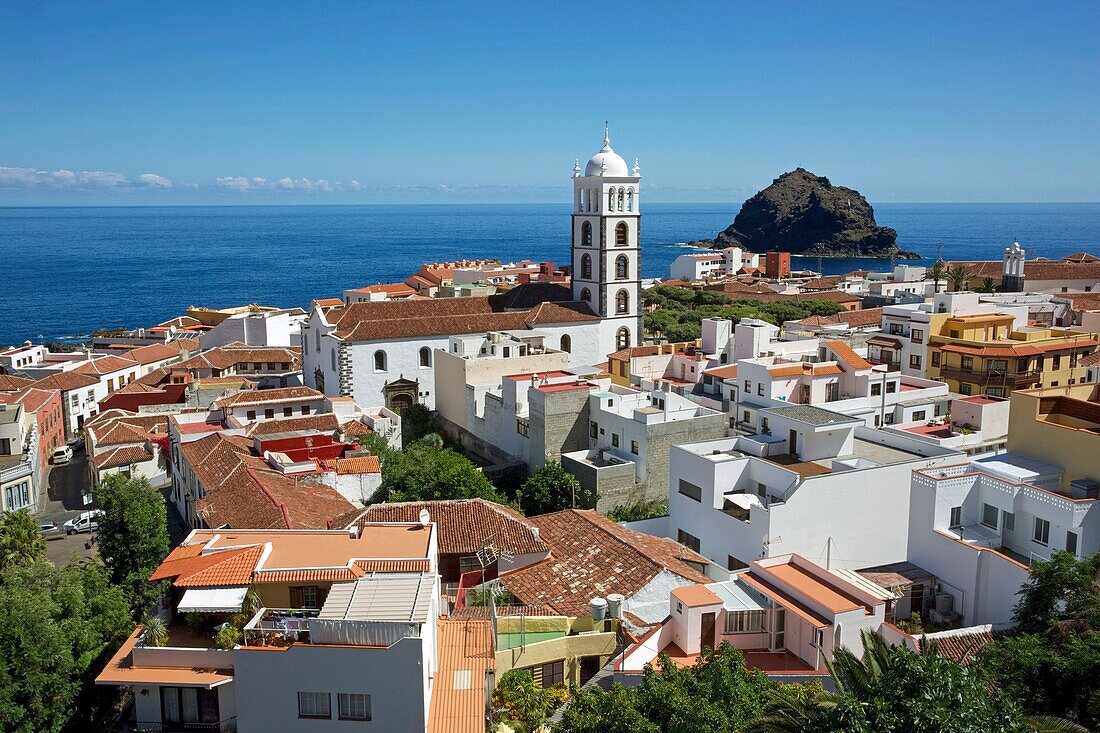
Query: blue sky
[188,103]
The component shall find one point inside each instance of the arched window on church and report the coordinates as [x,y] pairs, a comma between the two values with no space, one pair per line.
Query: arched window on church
[425,356]
[586,266]
[622,302]
[622,267]
[586,295]
[620,234]
[622,338]
[566,343]
[611,200]
[586,234]
[380,361]
[630,200]
[621,194]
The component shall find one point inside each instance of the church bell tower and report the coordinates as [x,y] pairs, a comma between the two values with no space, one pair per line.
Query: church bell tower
[607,245]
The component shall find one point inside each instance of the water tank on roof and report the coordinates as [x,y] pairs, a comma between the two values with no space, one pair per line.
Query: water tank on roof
[615,605]
[598,607]
[1084,488]
[945,603]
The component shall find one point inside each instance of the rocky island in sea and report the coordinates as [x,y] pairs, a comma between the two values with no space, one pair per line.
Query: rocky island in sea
[805,214]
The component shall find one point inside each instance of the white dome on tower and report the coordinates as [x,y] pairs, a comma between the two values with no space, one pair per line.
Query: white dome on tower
[606,162]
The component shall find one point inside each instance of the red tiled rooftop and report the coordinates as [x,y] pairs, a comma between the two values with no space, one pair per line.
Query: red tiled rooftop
[932,431]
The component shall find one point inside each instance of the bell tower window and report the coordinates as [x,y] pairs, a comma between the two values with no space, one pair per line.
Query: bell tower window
[622,302]
[586,234]
[622,267]
[622,338]
[586,266]
[620,234]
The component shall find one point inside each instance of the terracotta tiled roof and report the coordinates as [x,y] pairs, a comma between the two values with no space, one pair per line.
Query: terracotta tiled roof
[845,354]
[797,370]
[1019,349]
[960,645]
[852,319]
[115,427]
[155,352]
[32,398]
[735,292]
[122,456]
[654,349]
[1092,359]
[1036,270]
[1081,257]
[394,290]
[393,566]
[186,561]
[828,282]
[260,396]
[234,568]
[355,427]
[67,381]
[316,575]
[356,465]
[466,524]
[465,657]
[12,383]
[444,316]
[224,357]
[592,556]
[105,365]
[323,423]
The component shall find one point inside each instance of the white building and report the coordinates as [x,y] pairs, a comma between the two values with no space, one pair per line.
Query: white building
[257,328]
[128,443]
[712,265]
[820,485]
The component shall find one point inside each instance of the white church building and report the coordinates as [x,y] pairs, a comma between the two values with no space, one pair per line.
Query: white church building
[386,350]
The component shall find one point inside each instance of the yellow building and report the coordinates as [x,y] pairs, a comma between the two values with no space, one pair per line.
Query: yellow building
[981,354]
[1059,425]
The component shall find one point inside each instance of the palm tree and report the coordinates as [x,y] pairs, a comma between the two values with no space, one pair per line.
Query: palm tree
[957,277]
[988,285]
[155,631]
[935,273]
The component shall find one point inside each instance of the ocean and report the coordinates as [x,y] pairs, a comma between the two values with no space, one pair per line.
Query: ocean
[68,271]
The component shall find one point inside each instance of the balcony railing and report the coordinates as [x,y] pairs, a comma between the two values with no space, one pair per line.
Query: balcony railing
[892,364]
[991,376]
[222,726]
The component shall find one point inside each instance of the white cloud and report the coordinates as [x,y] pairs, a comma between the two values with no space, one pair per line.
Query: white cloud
[355,185]
[60,179]
[236,183]
[154,181]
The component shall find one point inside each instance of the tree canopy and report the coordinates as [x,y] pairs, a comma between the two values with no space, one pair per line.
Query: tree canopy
[132,536]
[675,313]
[552,489]
[424,472]
[21,540]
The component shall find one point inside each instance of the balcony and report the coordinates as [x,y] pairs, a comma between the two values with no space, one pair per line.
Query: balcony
[892,365]
[279,627]
[222,726]
[991,377]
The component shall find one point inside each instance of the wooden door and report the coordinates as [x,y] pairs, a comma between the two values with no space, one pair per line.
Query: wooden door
[706,631]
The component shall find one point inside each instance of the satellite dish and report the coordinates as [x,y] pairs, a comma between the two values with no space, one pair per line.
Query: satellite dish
[425,517]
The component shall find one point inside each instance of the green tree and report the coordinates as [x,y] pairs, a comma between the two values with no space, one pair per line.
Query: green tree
[1052,666]
[936,273]
[552,489]
[424,473]
[416,422]
[639,509]
[987,285]
[21,540]
[957,277]
[57,629]
[132,536]
[717,695]
[519,703]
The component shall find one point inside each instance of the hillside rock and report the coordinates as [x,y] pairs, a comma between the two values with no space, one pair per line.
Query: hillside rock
[805,214]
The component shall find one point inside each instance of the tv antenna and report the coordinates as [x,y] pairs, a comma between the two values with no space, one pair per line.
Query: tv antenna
[939,251]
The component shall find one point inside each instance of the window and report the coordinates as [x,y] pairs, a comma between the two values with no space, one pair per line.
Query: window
[1041,532]
[305,409]
[1056,361]
[314,705]
[891,387]
[748,387]
[634,447]
[876,389]
[691,491]
[954,333]
[622,267]
[832,391]
[819,637]
[521,427]
[622,302]
[688,540]
[1071,543]
[593,430]
[586,234]
[965,389]
[914,361]
[935,358]
[553,674]
[916,336]
[614,440]
[622,338]
[611,200]
[760,388]
[353,705]
[1008,521]
[989,516]
[288,411]
[732,563]
[919,414]
[744,622]
[188,705]
[566,343]
[303,596]
[620,234]
[380,361]
[956,516]
[764,427]
[269,413]
[586,266]
[630,207]
[586,295]
[968,363]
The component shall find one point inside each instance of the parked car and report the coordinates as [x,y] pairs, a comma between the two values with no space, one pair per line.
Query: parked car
[62,455]
[77,444]
[83,522]
[47,527]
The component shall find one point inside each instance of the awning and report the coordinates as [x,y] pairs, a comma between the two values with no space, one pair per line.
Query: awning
[212,600]
[745,501]
[890,343]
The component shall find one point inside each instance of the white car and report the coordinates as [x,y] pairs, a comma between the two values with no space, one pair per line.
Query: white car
[83,522]
[64,454]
